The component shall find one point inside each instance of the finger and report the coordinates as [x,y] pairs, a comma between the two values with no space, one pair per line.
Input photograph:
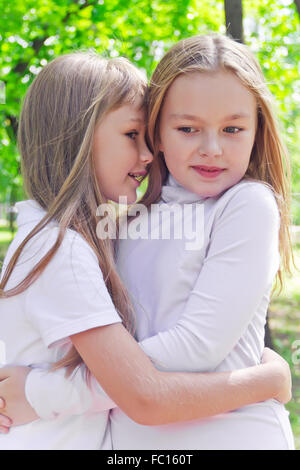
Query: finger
[4,372]
[5,421]
[2,403]
[4,430]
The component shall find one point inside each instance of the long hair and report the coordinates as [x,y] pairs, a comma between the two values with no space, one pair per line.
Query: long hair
[62,107]
[269,161]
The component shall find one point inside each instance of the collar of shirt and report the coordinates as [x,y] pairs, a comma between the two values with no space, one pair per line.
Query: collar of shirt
[28,212]
[172,191]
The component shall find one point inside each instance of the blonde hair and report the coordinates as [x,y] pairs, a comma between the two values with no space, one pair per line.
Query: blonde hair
[269,161]
[65,102]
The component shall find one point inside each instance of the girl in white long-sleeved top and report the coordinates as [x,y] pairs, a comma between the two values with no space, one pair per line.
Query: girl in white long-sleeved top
[197,299]
[213,130]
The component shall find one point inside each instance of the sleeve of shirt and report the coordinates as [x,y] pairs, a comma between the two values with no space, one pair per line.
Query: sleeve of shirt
[53,395]
[70,295]
[240,266]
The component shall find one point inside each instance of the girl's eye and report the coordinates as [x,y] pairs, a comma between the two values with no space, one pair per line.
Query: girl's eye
[132,135]
[232,130]
[186,130]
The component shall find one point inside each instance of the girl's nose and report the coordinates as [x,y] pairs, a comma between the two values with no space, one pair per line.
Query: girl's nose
[145,154]
[210,146]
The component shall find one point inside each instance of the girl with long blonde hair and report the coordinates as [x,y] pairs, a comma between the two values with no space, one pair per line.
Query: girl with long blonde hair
[216,145]
[82,143]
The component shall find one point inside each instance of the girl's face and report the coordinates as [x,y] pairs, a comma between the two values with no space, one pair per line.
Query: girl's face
[207,131]
[120,151]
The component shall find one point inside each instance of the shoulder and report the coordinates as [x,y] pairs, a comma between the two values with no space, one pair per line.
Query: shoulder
[74,253]
[73,268]
[249,197]
[74,258]
[30,213]
[75,243]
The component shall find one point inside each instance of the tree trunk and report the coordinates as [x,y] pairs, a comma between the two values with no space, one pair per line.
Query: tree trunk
[268,337]
[12,214]
[297,3]
[234,19]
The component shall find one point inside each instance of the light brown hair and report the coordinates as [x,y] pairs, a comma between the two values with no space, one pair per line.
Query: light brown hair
[65,102]
[269,161]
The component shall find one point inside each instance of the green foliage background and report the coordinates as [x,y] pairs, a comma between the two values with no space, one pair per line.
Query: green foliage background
[34,32]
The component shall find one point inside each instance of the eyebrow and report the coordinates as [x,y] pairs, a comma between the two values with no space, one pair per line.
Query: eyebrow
[136,120]
[191,117]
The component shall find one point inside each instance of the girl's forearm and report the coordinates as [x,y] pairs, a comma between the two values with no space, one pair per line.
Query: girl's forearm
[153,397]
[185,397]
[171,397]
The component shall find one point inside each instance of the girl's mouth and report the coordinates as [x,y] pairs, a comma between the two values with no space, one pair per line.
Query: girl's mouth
[208,172]
[137,177]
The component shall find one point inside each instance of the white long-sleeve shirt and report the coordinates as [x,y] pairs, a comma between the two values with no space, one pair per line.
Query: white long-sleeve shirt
[207,307]
[205,310]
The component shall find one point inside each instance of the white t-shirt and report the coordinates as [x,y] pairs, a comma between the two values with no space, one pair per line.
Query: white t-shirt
[203,310]
[70,296]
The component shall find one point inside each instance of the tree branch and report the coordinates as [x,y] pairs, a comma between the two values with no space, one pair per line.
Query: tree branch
[13,127]
[37,44]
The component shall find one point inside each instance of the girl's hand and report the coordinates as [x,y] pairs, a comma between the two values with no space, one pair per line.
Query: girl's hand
[14,408]
[284,374]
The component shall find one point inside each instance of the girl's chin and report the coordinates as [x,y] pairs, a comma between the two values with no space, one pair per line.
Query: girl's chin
[128,198]
[132,201]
